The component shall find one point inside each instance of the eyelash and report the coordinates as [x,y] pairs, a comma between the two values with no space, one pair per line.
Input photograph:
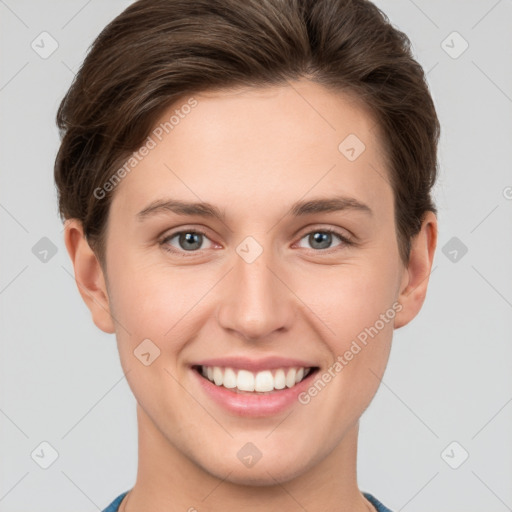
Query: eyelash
[164,242]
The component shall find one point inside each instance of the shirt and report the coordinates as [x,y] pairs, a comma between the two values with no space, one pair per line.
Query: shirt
[114,506]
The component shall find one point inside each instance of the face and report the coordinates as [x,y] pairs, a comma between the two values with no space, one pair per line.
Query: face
[299,268]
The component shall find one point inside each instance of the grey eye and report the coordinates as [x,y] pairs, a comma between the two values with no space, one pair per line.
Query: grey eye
[188,241]
[321,239]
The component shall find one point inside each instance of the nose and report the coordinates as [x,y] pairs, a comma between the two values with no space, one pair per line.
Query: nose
[256,301]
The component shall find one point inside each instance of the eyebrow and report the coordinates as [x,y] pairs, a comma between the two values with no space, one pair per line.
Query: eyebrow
[298,209]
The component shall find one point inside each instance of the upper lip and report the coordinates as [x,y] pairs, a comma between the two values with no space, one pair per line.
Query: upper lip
[255,365]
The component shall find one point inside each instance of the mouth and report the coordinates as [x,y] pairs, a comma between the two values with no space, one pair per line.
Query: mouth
[264,382]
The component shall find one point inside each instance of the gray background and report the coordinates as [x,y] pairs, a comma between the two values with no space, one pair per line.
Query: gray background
[449,377]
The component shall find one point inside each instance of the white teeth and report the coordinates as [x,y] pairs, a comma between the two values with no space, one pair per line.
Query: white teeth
[263,381]
[229,379]
[290,377]
[280,379]
[245,381]
[218,376]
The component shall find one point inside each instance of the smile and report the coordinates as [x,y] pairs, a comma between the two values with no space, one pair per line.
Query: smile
[246,381]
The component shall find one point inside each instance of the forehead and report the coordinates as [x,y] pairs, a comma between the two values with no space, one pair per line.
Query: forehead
[249,146]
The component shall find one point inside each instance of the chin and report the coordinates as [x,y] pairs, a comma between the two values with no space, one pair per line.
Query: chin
[260,475]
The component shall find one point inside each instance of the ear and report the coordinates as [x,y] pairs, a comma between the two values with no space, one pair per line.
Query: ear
[88,275]
[413,287]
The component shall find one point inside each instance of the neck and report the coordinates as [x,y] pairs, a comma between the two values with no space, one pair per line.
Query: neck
[168,480]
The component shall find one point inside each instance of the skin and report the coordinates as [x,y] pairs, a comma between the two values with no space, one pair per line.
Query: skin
[253,153]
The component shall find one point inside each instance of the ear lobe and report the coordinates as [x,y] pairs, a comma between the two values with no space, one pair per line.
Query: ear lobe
[413,287]
[88,275]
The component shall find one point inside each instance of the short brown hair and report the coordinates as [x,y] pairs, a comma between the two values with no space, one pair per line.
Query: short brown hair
[158,51]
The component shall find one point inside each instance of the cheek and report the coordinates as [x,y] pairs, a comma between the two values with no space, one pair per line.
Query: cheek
[157,302]
[357,305]
[351,296]
[358,310]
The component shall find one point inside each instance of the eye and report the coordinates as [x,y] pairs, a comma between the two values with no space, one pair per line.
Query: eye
[321,239]
[189,240]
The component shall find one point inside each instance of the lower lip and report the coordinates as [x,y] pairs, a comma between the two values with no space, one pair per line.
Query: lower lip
[253,405]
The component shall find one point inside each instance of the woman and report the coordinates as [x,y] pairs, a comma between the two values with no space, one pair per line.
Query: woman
[246,194]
